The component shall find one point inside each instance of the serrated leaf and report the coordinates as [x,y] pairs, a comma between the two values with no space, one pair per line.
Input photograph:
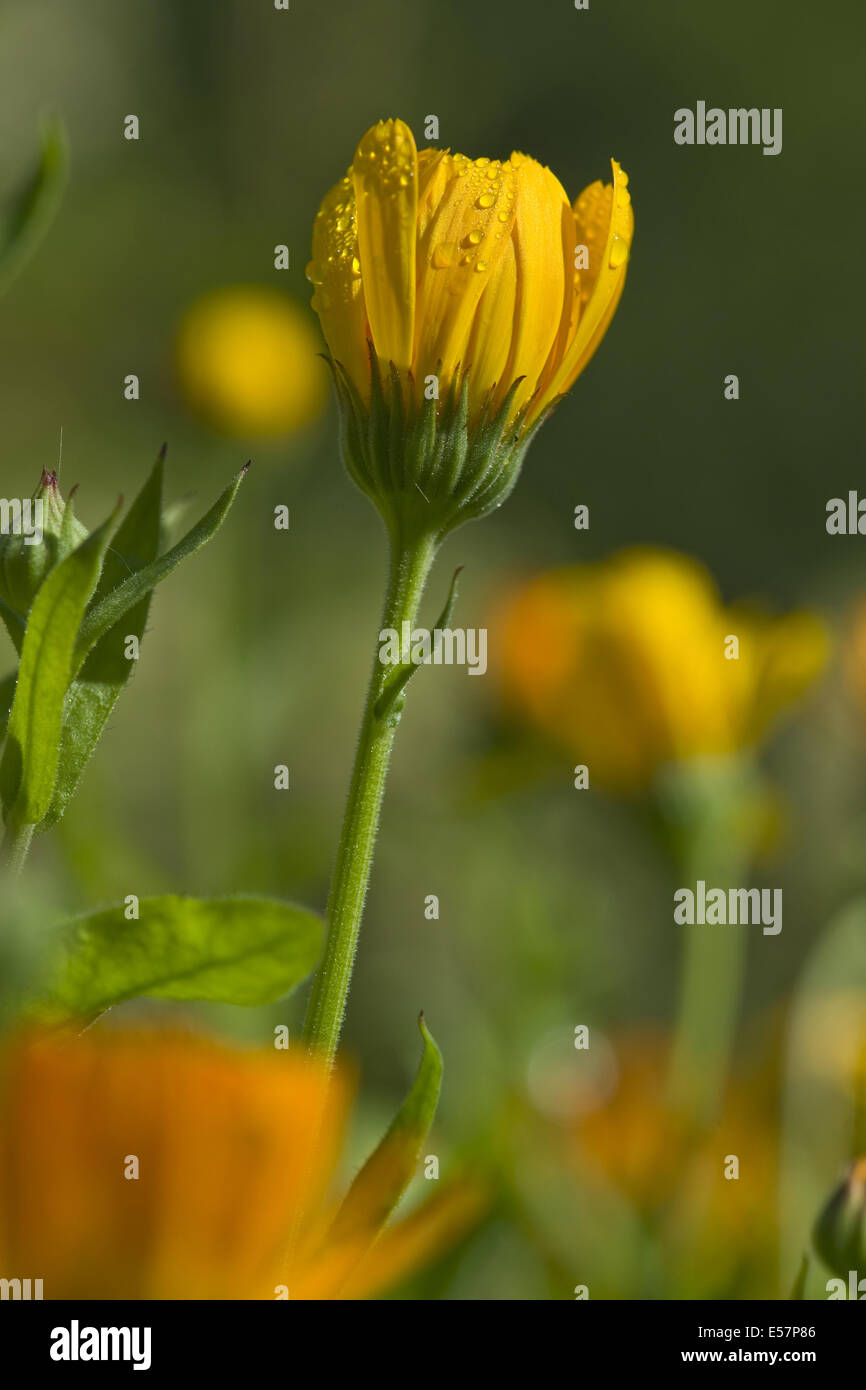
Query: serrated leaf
[28,768]
[239,950]
[105,613]
[27,217]
[390,1168]
[91,698]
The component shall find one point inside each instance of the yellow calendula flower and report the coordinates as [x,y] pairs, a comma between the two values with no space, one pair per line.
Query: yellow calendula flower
[162,1166]
[247,362]
[634,663]
[480,291]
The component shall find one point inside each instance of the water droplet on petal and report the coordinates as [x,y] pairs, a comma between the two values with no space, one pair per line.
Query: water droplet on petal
[486,200]
[618,252]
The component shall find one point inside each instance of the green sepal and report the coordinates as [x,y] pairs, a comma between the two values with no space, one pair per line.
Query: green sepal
[839,1234]
[24,567]
[429,466]
[390,1168]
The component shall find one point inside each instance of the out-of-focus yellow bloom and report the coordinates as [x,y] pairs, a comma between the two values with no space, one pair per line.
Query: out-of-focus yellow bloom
[448,264]
[247,362]
[624,664]
[160,1166]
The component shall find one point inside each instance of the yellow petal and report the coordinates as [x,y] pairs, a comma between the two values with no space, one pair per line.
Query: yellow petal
[604,223]
[779,658]
[335,272]
[458,253]
[385,175]
[543,240]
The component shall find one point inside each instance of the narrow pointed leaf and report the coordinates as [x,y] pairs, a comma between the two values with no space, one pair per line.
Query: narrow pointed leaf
[91,698]
[388,1171]
[108,610]
[238,950]
[27,217]
[28,768]
[406,670]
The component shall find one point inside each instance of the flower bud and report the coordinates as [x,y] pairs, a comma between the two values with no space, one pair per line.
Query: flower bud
[35,537]
[840,1231]
[460,299]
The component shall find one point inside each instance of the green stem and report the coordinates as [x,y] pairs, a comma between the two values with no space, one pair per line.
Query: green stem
[409,567]
[14,848]
[710,990]
[713,960]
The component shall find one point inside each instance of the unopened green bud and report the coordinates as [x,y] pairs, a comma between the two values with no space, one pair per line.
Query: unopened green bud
[36,533]
[840,1231]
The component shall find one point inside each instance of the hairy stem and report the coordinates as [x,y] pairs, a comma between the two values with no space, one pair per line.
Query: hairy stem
[409,567]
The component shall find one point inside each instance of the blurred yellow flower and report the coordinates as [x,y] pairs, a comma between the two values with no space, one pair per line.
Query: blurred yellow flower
[628,664]
[161,1166]
[448,264]
[247,362]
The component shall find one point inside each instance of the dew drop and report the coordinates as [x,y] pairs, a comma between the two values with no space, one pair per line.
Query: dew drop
[475,237]
[481,267]
[618,252]
[486,200]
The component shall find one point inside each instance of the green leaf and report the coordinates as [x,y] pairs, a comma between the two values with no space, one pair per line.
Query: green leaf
[390,1168]
[387,703]
[105,613]
[25,220]
[14,625]
[239,950]
[7,695]
[91,698]
[28,769]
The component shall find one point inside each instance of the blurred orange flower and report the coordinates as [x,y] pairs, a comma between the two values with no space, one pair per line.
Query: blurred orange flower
[162,1166]
[720,1230]
[628,664]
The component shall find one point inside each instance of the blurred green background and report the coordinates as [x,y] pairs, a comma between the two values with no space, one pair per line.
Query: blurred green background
[555,908]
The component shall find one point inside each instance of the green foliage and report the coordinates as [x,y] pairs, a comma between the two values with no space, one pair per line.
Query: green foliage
[73,658]
[28,769]
[236,950]
[390,1168]
[26,217]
